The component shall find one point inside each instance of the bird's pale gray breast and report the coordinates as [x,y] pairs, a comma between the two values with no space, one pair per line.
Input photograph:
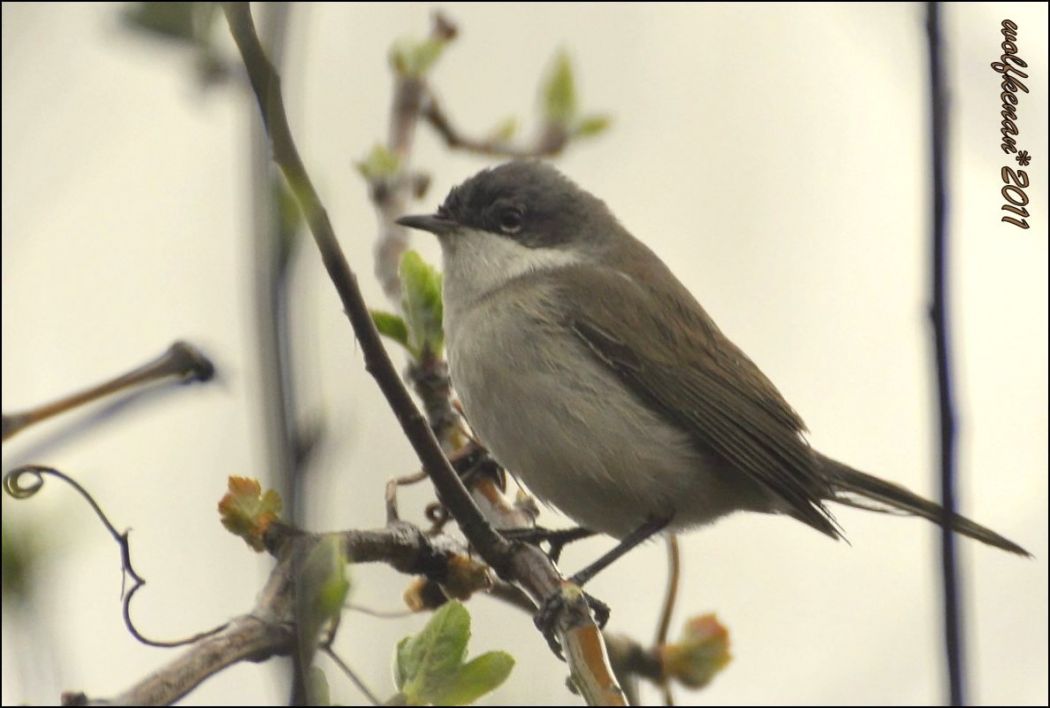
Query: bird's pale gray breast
[566,425]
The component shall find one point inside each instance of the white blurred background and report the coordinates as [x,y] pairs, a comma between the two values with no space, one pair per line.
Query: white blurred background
[774,156]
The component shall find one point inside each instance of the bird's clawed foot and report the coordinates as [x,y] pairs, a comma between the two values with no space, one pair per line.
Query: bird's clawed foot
[555,603]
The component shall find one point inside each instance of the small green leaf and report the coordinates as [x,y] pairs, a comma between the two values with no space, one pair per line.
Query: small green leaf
[404,664]
[429,667]
[477,677]
[415,58]
[421,304]
[430,661]
[321,588]
[590,126]
[380,164]
[391,326]
[559,92]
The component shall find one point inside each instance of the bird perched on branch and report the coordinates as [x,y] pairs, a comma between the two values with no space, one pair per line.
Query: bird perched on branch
[591,372]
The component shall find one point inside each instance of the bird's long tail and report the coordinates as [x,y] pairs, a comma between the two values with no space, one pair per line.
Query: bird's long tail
[864,491]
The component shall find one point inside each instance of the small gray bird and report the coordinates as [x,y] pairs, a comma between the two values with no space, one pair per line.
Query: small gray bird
[591,372]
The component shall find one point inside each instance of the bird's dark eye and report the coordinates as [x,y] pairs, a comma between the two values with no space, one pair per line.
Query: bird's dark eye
[510,220]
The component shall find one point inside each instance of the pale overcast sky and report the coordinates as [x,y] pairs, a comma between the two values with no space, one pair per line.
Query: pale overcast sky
[775,156]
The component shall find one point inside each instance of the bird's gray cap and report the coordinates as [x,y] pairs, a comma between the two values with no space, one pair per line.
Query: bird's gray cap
[526,200]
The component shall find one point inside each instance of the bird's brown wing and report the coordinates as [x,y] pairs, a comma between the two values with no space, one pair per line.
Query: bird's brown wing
[699,380]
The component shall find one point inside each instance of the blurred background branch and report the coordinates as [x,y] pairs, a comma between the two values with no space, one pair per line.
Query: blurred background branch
[953,609]
[182,363]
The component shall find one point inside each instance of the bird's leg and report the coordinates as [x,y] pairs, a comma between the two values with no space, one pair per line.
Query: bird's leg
[556,538]
[549,610]
[653,525]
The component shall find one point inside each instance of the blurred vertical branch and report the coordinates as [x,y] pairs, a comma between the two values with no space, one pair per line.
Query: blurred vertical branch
[275,240]
[942,348]
[274,243]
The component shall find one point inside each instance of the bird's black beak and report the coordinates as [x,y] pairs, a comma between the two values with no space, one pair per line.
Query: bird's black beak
[437,225]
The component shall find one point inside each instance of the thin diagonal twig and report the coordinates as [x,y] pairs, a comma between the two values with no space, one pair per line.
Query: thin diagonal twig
[575,626]
[350,674]
[674,574]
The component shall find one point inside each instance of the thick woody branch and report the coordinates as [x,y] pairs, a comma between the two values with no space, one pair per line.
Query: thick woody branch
[247,638]
[268,630]
[575,627]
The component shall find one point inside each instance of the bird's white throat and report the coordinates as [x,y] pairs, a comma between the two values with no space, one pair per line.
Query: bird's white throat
[478,262]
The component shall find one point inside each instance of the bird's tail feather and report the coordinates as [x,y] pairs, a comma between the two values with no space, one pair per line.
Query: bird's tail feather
[864,491]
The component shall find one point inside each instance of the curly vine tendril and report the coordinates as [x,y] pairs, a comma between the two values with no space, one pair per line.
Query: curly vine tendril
[14,486]
[25,481]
